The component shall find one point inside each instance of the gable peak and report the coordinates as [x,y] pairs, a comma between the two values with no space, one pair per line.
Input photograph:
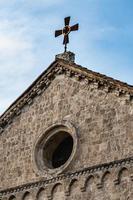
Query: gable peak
[67,56]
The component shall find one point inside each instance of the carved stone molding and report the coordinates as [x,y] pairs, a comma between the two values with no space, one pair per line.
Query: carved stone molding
[93,171]
[71,70]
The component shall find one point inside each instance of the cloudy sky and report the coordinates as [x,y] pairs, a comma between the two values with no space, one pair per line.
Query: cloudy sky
[104,42]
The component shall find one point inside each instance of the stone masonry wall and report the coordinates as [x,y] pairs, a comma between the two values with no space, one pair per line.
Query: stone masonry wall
[103,122]
[106,184]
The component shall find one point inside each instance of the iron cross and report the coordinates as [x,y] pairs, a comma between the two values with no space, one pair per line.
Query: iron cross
[66,30]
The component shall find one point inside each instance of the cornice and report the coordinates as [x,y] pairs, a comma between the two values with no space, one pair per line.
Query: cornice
[71,70]
[127,162]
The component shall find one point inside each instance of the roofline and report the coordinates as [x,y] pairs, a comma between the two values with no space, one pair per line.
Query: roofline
[28,89]
[60,66]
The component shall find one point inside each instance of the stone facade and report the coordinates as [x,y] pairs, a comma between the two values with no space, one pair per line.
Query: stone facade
[96,111]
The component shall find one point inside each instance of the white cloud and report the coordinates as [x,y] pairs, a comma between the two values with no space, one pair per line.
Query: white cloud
[11,46]
[16,59]
[21,38]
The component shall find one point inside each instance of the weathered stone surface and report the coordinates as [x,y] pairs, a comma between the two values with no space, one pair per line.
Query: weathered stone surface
[68,56]
[104,124]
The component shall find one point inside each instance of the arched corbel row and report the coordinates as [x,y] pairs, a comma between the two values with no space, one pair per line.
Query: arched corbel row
[107,174]
[40,190]
[56,186]
[120,171]
[27,195]
[69,186]
[86,180]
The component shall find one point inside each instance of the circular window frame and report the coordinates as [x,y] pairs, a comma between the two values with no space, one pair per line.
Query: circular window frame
[40,163]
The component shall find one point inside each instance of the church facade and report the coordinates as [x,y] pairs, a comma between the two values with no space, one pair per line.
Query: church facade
[69,136]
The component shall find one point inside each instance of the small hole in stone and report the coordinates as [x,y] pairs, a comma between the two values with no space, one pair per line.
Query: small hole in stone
[58,149]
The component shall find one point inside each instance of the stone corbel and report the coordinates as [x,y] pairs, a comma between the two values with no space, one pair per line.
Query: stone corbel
[69,73]
[29,101]
[18,111]
[117,92]
[77,76]
[60,70]
[38,91]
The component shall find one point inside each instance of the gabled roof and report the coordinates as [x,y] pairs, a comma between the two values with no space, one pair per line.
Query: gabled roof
[60,66]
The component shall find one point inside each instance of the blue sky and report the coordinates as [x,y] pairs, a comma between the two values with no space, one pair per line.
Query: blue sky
[104,42]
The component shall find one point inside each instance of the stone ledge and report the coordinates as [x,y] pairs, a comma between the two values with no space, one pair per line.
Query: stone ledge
[90,170]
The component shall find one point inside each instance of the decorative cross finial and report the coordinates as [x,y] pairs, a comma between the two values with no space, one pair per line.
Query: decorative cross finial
[66,30]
